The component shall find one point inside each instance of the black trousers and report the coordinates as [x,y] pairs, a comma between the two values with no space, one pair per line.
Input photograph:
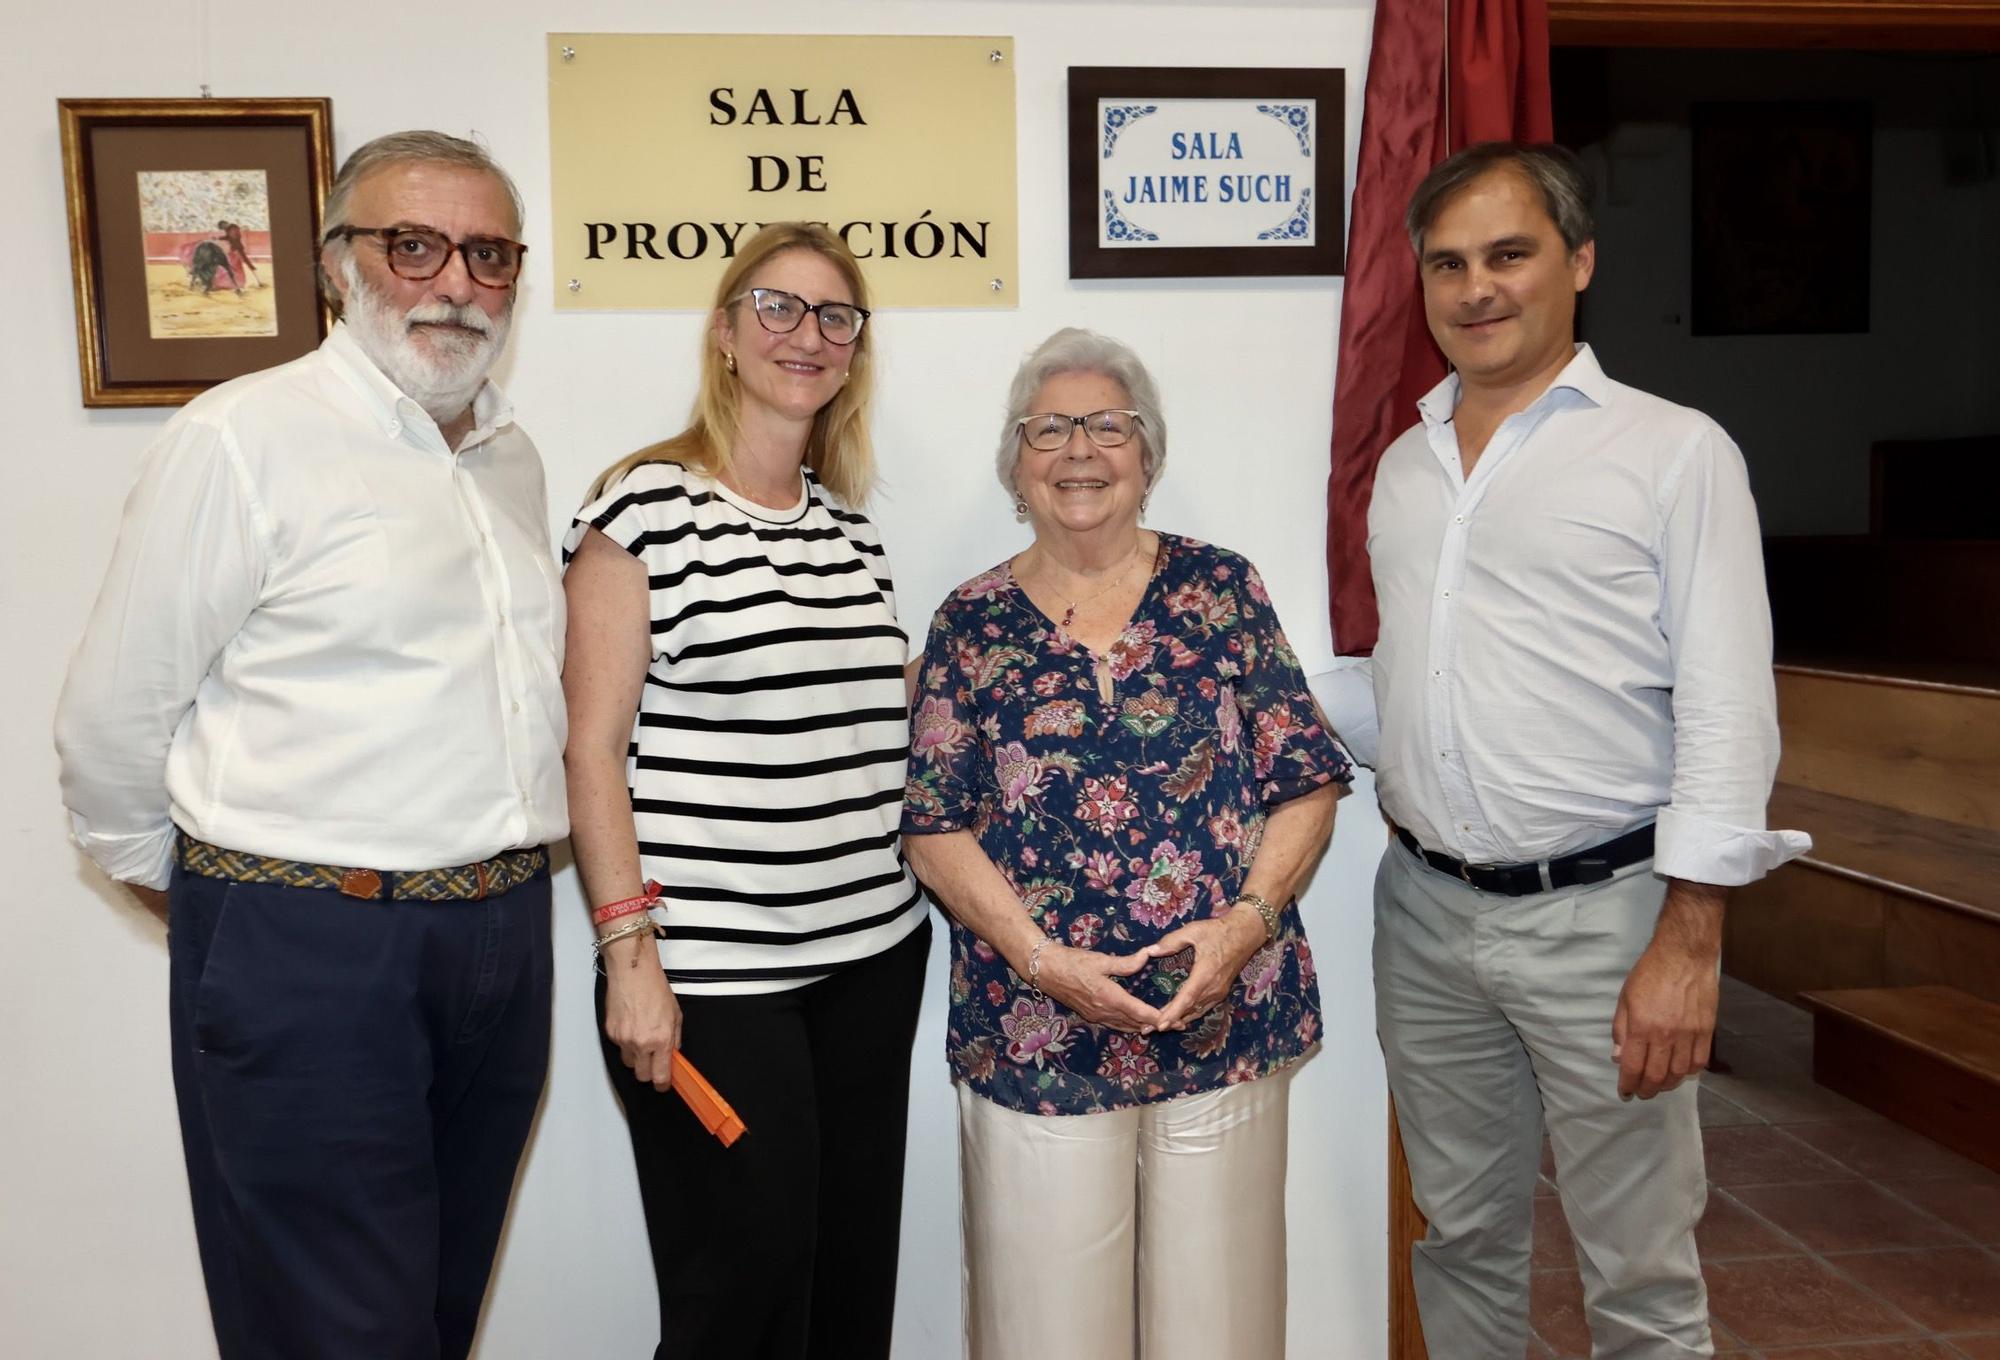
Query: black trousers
[783,1246]
[356,1081]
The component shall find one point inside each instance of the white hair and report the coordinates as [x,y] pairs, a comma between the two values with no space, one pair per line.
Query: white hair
[1074,350]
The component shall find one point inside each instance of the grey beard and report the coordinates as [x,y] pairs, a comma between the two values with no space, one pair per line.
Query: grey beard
[444,385]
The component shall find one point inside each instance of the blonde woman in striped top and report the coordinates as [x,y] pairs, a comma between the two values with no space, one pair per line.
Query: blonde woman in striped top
[738,732]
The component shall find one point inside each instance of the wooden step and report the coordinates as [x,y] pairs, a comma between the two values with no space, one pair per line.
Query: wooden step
[1980,677]
[1886,898]
[1941,862]
[1924,747]
[1928,1057]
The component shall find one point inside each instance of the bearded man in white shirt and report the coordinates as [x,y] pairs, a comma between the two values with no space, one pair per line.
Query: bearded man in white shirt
[1578,735]
[315,722]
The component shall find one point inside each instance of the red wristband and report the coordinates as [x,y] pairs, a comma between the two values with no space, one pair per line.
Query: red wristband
[611,911]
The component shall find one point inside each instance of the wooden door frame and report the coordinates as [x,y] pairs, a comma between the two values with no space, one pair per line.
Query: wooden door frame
[1406,1228]
[1878,25]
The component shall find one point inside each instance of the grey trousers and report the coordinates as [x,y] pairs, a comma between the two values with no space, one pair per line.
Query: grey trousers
[1495,1017]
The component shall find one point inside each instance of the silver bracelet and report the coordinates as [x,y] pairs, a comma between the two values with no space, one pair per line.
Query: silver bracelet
[643,926]
[1035,966]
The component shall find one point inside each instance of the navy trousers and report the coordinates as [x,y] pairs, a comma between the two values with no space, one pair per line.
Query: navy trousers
[356,1081]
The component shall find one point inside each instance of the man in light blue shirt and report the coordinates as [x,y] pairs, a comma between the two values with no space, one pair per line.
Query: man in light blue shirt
[1578,736]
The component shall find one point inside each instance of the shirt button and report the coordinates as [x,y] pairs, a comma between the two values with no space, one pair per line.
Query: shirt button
[517,706]
[1447,595]
[503,620]
[1458,519]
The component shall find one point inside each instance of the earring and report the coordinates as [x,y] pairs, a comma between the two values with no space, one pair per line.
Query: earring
[1142,503]
[729,361]
[1021,506]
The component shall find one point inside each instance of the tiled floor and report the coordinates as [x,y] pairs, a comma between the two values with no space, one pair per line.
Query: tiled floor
[1831,1233]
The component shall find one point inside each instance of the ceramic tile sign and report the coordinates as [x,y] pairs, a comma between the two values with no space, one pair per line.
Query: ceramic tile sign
[1179,171]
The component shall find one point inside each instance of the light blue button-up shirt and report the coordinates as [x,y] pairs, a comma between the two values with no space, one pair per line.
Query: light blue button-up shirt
[1575,638]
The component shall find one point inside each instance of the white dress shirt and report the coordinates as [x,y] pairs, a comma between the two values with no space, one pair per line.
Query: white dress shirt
[324,636]
[1575,639]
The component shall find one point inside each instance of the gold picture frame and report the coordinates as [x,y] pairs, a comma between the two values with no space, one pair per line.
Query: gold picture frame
[194,231]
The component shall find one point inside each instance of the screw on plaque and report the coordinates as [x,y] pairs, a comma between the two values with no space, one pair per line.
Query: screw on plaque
[996,56]
[569,54]
[995,284]
[576,285]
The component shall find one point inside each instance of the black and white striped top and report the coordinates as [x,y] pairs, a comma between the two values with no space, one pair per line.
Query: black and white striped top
[766,765]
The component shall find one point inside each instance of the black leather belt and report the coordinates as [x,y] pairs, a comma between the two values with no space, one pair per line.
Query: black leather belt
[1593,865]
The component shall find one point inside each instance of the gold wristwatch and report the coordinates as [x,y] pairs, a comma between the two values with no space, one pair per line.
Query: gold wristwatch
[1265,911]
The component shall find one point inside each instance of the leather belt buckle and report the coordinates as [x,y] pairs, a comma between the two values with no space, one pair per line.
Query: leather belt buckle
[1465,872]
[1592,870]
[362,883]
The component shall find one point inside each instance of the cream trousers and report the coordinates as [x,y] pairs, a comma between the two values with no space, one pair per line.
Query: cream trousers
[1154,1233]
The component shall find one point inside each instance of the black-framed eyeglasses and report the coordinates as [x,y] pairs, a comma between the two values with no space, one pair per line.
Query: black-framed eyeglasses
[419,253]
[781,313]
[1049,430]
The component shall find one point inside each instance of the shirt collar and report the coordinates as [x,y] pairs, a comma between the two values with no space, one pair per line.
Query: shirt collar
[1580,377]
[393,409]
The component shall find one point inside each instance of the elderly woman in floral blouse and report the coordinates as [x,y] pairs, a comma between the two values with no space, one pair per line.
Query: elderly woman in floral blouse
[1118,781]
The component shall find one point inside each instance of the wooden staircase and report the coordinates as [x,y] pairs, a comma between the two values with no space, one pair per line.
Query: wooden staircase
[1926,1056]
[1890,928]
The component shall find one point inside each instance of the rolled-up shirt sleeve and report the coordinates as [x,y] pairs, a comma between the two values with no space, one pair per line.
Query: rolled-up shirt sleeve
[1717,621]
[192,551]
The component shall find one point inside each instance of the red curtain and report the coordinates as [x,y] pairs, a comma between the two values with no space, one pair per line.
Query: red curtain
[1497,65]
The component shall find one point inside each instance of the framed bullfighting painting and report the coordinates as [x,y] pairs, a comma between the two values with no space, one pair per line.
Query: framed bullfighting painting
[194,230]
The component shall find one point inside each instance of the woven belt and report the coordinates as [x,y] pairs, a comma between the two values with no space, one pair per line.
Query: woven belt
[466,883]
[1593,865]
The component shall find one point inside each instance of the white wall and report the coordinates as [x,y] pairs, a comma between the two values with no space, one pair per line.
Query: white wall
[96,1250]
[1806,408]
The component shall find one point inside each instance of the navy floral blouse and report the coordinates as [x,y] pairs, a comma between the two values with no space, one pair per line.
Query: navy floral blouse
[1118,821]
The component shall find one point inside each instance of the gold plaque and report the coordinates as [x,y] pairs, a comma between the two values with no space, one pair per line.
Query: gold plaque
[668,150]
